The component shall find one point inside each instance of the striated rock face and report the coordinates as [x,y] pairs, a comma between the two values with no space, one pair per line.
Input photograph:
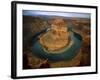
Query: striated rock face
[32,25]
[57,37]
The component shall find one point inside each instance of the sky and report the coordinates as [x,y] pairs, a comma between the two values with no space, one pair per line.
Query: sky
[49,13]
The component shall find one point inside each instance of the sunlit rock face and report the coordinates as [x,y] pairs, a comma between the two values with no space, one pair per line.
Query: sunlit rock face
[57,37]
